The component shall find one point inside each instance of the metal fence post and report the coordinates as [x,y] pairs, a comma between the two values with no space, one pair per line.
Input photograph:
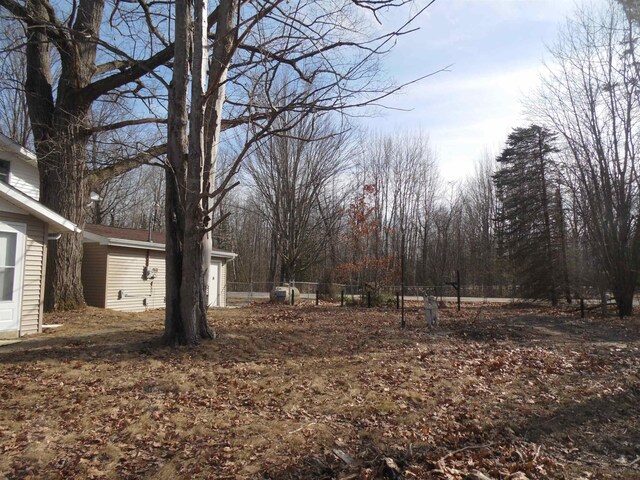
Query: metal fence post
[459,287]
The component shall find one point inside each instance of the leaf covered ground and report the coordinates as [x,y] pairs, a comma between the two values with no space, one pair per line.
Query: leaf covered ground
[502,392]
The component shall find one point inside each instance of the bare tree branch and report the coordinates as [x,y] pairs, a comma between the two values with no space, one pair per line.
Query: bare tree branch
[134,72]
[96,177]
[124,123]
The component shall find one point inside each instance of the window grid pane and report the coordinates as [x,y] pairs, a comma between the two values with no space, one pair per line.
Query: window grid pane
[8,242]
[5,167]
[7,274]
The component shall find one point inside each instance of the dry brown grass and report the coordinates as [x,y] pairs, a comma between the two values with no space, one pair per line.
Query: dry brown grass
[324,392]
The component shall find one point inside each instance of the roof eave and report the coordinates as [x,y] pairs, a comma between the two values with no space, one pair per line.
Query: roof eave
[57,223]
[121,242]
[223,254]
[12,147]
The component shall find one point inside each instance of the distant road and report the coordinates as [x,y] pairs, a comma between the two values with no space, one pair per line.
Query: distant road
[246,297]
[239,297]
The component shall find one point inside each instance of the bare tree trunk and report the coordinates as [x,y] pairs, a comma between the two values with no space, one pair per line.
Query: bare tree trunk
[59,140]
[623,294]
[187,322]
[219,67]
[623,282]
[566,284]
[62,188]
[193,288]
[550,260]
[273,260]
[174,331]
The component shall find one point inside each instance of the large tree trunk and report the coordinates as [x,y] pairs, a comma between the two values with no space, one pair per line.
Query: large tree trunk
[63,189]
[223,48]
[60,143]
[274,259]
[193,288]
[550,260]
[623,285]
[186,316]
[623,294]
[174,331]
[566,284]
[624,301]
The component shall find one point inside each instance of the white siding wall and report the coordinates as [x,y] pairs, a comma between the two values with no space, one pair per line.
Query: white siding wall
[33,281]
[94,274]
[124,272]
[223,285]
[124,268]
[24,177]
[10,207]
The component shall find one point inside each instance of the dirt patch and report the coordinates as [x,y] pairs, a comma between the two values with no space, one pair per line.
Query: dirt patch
[324,392]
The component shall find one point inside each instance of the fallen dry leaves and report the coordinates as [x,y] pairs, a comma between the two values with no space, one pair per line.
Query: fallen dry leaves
[497,392]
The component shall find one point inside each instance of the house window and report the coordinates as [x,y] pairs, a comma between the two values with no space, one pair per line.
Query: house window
[8,242]
[5,166]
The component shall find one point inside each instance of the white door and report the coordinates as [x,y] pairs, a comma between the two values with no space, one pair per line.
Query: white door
[12,250]
[214,284]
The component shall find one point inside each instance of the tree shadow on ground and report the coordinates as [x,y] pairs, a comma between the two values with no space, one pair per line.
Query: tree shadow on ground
[237,343]
[536,328]
[603,425]
[95,347]
[287,333]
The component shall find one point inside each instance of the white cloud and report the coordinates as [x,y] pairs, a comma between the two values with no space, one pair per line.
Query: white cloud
[513,80]
[509,10]
[465,115]
[496,47]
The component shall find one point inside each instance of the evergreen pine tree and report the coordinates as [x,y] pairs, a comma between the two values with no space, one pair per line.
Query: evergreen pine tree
[528,222]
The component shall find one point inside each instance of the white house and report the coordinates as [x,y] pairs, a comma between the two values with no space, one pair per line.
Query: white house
[25,227]
[124,269]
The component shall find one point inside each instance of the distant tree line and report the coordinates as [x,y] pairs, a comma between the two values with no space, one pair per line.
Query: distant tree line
[553,215]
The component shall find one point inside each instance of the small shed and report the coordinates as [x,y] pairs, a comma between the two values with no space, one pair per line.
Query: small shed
[124,269]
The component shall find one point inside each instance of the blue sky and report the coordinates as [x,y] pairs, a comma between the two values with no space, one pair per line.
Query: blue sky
[496,49]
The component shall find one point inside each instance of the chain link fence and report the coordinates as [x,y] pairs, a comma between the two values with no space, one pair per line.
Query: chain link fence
[247,292]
